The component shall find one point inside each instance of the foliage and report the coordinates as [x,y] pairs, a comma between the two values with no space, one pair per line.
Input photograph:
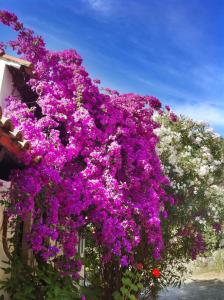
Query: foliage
[111,171]
[211,263]
[37,282]
[130,286]
[192,156]
[99,164]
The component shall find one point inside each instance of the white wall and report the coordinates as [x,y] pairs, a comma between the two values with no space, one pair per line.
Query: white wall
[6,81]
[3,256]
[6,89]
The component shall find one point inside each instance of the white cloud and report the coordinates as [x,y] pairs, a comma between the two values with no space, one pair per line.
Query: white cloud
[198,108]
[207,112]
[102,6]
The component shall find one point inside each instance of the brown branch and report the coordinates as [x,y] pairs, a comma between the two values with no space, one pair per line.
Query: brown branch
[4,235]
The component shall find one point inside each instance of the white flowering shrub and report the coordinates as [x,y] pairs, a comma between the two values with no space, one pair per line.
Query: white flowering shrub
[193,159]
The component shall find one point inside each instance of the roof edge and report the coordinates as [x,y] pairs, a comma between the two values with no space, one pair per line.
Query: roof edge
[17,60]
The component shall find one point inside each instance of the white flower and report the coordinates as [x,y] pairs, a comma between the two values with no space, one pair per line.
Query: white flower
[209,130]
[210,180]
[216,135]
[198,140]
[201,122]
[203,171]
[173,159]
[217,162]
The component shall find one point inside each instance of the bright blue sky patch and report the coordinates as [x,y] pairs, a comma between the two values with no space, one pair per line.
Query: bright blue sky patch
[172,49]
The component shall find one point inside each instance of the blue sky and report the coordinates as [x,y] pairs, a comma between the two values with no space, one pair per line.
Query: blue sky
[172,49]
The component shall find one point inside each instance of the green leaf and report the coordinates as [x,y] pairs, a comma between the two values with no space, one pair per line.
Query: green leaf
[117,296]
[126,281]
[124,291]
[129,273]
[91,293]
[134,287]
[140,286]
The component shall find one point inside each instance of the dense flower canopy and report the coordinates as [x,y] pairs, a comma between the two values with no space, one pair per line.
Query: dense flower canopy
[99,163]
[192,156]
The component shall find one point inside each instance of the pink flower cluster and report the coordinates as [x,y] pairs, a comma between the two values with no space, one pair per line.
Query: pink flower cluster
[99,163]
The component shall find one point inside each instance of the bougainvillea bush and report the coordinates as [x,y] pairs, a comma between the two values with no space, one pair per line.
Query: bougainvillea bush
[192,157]
[99,175]
[99,167]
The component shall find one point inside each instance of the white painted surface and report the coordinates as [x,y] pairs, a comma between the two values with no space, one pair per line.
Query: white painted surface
[6,81]
[3,187]
[6,89]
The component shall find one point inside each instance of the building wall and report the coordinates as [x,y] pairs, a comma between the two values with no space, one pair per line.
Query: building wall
[6,89]
[3,187]
[6,82]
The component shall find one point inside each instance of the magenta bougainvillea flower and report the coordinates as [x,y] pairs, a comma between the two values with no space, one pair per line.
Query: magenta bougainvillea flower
[99,163]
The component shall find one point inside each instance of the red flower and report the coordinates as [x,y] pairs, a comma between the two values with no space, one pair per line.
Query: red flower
[156,273]
[139,266]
